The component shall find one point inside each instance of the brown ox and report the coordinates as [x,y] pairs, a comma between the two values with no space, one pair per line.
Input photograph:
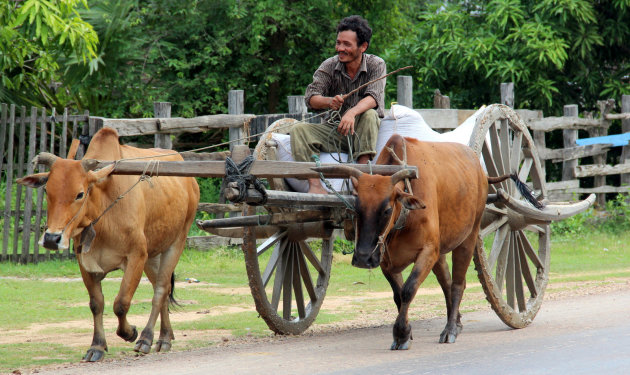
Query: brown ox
[145,230]
[448,200]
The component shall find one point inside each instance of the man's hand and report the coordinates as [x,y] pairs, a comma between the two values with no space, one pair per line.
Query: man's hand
[336,102]
[346,125]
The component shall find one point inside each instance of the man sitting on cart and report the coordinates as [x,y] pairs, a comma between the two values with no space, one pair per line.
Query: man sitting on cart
[360,112]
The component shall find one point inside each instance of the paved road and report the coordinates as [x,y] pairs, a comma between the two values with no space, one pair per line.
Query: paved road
[581,335]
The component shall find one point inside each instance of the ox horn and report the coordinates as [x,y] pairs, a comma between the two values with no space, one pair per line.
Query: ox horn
[89,164]
[402,174]
[339,170]
[45,158]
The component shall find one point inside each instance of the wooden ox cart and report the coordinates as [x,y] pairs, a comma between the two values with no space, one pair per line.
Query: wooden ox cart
[512,266]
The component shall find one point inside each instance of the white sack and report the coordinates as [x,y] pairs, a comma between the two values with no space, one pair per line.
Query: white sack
[284,154]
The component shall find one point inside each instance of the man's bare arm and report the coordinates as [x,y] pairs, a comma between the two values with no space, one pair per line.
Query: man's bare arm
[346,125]
[326,102]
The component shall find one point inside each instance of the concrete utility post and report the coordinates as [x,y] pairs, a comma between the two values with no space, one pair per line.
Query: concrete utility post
[404,91]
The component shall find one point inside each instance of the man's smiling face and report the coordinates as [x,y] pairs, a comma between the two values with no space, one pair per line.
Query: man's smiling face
[347,47]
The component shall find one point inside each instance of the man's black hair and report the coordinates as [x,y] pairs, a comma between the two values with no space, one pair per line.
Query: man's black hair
[359,25]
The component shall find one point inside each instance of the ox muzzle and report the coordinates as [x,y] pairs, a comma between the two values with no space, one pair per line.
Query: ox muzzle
[367,256]
[52,241]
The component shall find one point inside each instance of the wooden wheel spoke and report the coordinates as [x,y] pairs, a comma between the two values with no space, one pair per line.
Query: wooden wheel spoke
[525,271]
[493,226]
[517,152]
[502,263]
[510,276]
[271,241]
[504,137]
[525,168]
[306,276]
[491,208]
[491,168]
[529,250]
[278,281]
[518,280]
[535,228]
[498,245]
[297,285]
[273,261]
[306,249]
[497,151]
[286,287]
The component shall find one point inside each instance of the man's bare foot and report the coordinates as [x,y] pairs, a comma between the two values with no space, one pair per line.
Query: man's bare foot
[363,159]
[315,186]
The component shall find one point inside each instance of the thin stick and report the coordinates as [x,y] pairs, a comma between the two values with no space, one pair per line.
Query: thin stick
[372,81]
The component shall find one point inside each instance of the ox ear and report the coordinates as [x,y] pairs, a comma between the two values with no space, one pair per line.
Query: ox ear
[74,147]
[100,174]
[409,201]
[355,183]
[34,181]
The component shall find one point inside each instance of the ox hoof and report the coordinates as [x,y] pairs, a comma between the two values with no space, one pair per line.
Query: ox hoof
[447,337]
[398,346]
[162,346]
[93,355]
[129,338]
[143,346]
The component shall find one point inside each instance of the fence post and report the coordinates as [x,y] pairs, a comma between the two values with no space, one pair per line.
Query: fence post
[162,110]
[605,106]
[9,186]
[441,101]
[236,106]
[625,128]
[19,172]
[507,94]
[569,136]
[404,91]
[84,137]
[297,105]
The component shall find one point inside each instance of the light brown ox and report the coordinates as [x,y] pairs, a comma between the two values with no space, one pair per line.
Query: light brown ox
[145,230]
[448,200]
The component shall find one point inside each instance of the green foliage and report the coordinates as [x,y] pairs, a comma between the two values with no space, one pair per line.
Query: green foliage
[555,51]
[615,219]
[38,39]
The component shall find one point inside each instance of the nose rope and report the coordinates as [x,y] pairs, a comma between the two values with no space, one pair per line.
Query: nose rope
[382,240]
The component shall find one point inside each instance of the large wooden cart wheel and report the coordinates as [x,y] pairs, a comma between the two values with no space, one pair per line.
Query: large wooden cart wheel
[288,275]
[512,257]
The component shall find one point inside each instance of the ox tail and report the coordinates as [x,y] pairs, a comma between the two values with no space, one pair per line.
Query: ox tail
[525,191]
[171,296]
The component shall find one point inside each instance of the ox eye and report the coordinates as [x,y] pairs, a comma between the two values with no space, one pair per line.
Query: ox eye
[80,196]
[388,211]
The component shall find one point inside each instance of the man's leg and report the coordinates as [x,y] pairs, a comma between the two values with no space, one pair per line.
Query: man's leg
[308,139]
[366,128]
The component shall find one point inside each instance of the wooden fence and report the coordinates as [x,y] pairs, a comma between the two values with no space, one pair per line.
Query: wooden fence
[23,210]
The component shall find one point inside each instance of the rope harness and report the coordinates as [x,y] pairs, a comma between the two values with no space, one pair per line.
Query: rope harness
[240,175]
